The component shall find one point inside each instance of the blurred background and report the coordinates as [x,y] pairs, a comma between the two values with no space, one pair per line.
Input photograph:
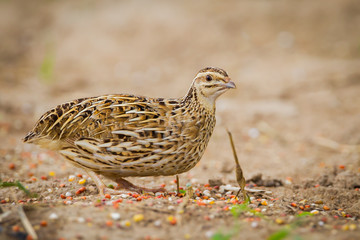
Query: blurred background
[296,65]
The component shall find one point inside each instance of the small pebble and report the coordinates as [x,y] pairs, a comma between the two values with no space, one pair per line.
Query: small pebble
[207,193]
[253,133]
[157,223]
[53,216]
[209,234]
[321,223]
[68,194]
[157,194]
[81,219]
[124,195]
[254,224]
[115,216]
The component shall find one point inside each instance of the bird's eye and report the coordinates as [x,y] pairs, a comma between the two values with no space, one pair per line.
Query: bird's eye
[208,78]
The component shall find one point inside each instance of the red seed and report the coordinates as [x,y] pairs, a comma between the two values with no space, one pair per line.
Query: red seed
[43,223]
[108,196]
[62,185]
[79,175]
[326,208]
[29,237]
[109,223]
[293,204]
[12,166]
[342,166]
[16,228]
[162,185]
[43,177]
[62,196]
[207,218]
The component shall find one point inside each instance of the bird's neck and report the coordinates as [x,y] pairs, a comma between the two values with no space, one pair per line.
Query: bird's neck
[195,99]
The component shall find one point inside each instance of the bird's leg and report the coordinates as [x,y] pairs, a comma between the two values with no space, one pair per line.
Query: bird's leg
[177,184]
[101,186]
[129,186]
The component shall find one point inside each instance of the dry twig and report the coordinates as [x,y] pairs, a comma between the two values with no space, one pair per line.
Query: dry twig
[239,173]
[27,225]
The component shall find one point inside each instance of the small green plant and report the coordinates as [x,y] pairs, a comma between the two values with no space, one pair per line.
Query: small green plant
[19,185]
[286,231]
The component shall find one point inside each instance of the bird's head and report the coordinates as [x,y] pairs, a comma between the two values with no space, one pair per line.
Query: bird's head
[211,82]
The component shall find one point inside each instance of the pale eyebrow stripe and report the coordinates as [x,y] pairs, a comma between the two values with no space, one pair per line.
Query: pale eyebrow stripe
[212,73]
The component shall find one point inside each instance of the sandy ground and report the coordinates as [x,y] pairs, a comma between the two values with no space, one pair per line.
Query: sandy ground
[294,117]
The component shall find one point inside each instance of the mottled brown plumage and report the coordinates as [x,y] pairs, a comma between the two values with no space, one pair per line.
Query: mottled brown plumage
[125,135]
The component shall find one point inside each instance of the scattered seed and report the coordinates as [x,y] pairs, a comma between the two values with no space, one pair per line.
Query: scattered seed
[126,223]
[71,178]
[171,220]
[326,208]
[43,223]
[11,166]
[68,194]
[82,181]
[279,221]
[314,212]
[15,228]
[109,223]
[52,174]
[138,217]
[352,227]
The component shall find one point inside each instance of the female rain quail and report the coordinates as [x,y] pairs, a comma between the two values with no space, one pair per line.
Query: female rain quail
[124,135]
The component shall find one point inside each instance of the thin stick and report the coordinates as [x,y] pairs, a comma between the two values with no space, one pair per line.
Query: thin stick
[27,225]
[239,173]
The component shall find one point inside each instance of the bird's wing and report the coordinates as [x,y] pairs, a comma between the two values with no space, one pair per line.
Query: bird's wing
[107,117]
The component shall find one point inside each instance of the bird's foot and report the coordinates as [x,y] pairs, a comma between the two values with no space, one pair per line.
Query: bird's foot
[124,184]
[106,190]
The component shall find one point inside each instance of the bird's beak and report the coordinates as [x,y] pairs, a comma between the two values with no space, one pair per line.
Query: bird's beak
[228,83]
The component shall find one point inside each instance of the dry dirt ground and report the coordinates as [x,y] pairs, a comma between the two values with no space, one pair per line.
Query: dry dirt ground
[295,116]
